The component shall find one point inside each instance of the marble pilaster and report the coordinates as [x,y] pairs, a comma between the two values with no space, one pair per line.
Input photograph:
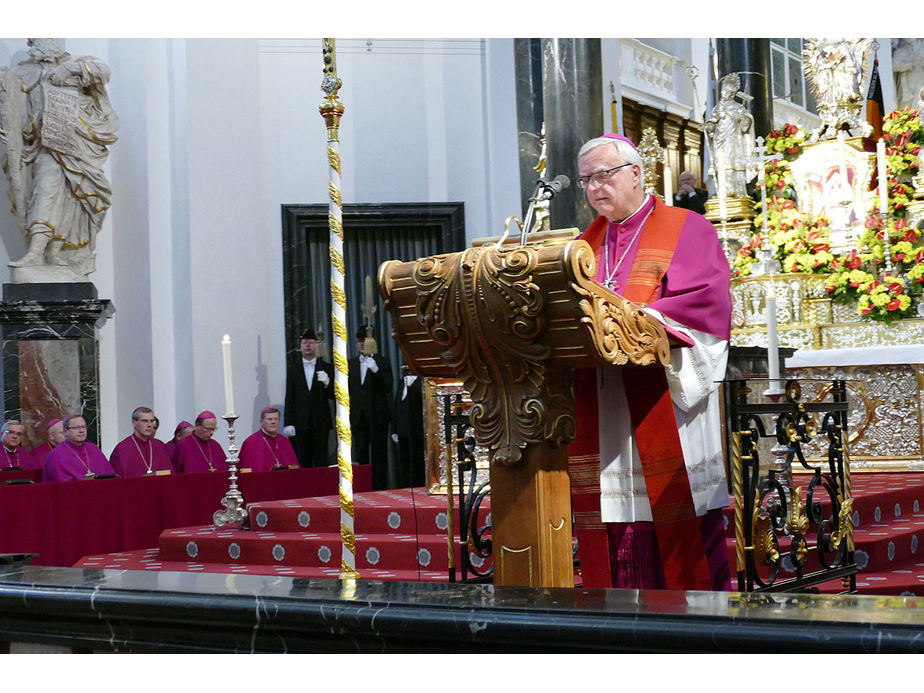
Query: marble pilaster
[572,97]
[51,354]
[752,56]
[528,70]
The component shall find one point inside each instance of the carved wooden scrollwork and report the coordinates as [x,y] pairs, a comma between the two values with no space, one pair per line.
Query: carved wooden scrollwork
[512,322]
[484,309]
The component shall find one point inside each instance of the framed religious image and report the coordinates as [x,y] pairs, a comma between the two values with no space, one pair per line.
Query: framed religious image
[442,453]
[832,179]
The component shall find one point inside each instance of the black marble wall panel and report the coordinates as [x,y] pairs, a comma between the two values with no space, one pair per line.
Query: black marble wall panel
[572,90]
[51,354]
[751,56]
[528,70]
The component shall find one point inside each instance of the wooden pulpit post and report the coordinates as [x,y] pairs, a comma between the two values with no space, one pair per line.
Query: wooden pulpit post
[512,322]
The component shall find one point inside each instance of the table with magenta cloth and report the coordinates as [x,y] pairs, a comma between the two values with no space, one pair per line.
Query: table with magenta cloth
[64,521]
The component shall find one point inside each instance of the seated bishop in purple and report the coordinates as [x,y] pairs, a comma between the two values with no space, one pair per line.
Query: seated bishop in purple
[55,429]
[198,452]
[75,458]
[13,453]
[266,449]
[183,429]
[141,453]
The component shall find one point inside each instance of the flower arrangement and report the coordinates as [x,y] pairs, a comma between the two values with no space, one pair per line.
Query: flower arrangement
[802,244]
[860,276]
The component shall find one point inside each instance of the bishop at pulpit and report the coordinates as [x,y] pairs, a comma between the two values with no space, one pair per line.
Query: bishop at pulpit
[534,332]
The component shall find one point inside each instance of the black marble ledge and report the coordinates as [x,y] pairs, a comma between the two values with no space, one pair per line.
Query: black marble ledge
[152,611]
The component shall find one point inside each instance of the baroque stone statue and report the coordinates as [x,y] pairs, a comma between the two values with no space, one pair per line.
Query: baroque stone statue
[730,134]
[834,68]
[57,124]
[908,68]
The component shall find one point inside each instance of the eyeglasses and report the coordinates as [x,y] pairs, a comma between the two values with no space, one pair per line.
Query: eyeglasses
[599,177]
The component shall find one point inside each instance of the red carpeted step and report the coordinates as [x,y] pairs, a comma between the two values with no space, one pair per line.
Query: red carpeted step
[382,512]
[150,559]
[241,547]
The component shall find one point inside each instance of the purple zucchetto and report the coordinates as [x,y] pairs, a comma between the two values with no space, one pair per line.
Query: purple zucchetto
[616,136]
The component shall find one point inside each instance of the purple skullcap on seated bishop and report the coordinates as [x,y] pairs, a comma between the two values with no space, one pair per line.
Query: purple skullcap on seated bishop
[203,415]
[269,408]
[181,426]
[52,423]
[617,136]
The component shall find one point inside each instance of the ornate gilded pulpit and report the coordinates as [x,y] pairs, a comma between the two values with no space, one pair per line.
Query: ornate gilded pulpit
[512,322]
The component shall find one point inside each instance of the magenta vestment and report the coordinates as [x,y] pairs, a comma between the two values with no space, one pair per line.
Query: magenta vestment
[193,456]
[20,457]
[68,462]
[261,452]
[132,457]
[38,455]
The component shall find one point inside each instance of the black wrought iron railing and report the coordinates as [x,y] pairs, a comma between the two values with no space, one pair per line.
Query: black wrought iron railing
[793,516]
[475,564]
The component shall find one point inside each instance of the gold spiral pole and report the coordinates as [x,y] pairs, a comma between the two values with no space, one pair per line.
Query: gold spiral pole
[848,492]
[332,110]
[739,502]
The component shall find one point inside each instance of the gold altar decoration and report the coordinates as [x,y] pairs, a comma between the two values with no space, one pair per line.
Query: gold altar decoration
[652,153]
[331,110]
[442,457]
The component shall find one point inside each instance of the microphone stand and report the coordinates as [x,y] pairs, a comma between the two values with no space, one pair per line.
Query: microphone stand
[545,190]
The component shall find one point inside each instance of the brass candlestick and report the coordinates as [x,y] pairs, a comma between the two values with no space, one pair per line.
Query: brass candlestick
[234,514]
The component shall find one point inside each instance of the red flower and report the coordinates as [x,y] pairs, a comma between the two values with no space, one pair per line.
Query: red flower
[829,289]
[774,134]
[899,257]
[853,262]
[895,288]
[792,150]
[866,311]
[780,184]
[787,204]
[819,247]
[894,304]
[887,136]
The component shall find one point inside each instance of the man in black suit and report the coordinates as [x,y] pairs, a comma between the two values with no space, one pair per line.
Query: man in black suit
[370,382]
[409,432]
[309,391]
[689,196]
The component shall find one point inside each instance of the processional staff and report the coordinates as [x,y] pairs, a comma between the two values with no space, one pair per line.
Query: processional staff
[331,110]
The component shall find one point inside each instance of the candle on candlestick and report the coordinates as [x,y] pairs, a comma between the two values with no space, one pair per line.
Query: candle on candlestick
[226,362]
[883,177]
[842,152]
[773,345]
[668,185]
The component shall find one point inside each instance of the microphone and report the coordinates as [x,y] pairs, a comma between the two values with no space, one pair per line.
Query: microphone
[545,190]
[550,188]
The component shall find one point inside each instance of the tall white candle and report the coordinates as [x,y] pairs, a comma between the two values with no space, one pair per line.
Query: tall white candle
[773,344]
[720,184]
[763,196]
[668,185]
[226,362]
[842,153]
[883,177]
